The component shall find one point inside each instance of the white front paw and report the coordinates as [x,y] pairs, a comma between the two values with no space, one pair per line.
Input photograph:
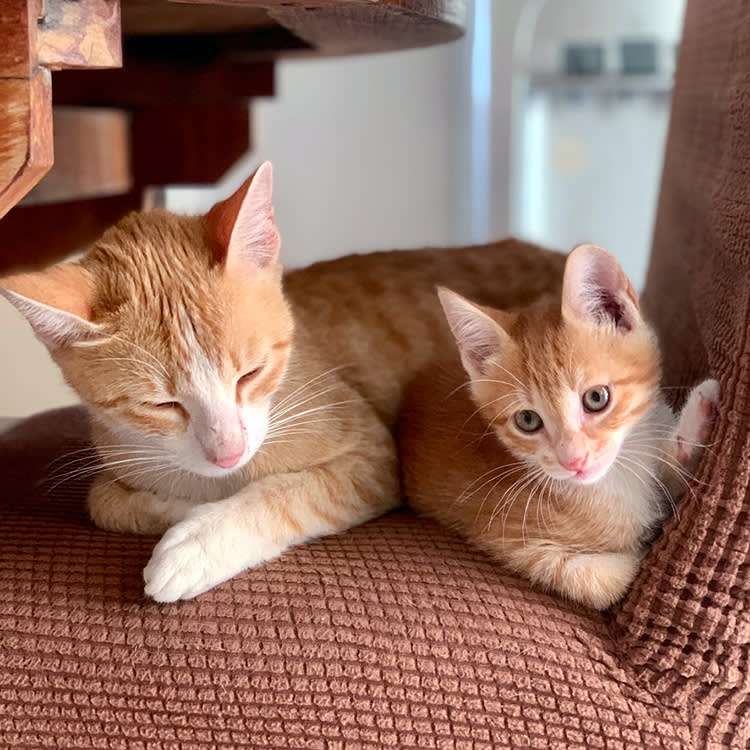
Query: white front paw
[696,420]
[197,554]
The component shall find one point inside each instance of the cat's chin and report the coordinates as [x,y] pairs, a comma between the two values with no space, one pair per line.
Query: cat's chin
[211,471]
[588,476]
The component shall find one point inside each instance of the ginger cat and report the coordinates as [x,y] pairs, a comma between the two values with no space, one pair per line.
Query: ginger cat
[562,457]
[235,415]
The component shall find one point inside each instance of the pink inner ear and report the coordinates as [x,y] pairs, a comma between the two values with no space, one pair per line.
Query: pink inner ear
[56,302]
[477,335]
[222,216]
[243,225]
[595,289]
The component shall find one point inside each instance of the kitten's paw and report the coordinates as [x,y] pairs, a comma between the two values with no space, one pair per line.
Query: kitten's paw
[696,419]
[596,579]
[202,551]
[600,579]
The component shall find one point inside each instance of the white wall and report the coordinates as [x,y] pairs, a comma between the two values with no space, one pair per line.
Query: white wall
[589,151]
[365,153]
[29,380]
[550,22]
[504,30]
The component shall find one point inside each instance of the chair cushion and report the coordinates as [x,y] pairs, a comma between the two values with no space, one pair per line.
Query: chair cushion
[395,634]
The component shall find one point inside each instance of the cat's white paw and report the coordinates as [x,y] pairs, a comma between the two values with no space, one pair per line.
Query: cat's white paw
[207,548]
[696,419]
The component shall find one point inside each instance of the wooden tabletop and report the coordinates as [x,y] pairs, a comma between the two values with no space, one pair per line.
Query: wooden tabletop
[179,52]
[324,26]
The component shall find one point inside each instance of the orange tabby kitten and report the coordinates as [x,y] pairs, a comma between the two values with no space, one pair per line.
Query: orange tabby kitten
[238,417]
[562,458]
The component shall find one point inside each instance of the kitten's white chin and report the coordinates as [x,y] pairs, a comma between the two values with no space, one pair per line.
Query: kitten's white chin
[591,474]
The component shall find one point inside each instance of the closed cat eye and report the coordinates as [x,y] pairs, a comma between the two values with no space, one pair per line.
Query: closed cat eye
[167,405]
[249,375]
[527,421]
[596,398]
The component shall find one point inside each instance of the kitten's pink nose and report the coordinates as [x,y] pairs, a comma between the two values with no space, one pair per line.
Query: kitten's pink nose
[574,464]
[227,462]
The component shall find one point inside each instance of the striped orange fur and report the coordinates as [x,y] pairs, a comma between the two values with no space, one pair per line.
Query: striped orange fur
[237,410]
[569,496]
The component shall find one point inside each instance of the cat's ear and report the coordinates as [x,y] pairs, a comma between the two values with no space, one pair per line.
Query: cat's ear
[480,339]
[597,292]
[243,226]
[56,303]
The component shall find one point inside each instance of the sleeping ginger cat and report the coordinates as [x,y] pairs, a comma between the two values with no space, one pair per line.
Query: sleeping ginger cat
[562,457]
[233,416]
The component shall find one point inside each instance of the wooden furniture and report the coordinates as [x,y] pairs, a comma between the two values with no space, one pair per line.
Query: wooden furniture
[135,93]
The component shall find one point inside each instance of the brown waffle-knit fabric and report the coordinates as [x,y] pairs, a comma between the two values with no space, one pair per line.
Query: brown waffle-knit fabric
[685,630]
[394,635]
[397,634]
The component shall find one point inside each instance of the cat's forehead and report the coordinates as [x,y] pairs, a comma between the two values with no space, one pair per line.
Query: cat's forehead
[553,357]
[160,288]
[546,358]
[179,320]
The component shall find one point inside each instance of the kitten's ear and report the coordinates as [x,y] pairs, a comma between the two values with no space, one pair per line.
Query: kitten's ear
[243,225]
[56,303]
[478,336]
[596,290]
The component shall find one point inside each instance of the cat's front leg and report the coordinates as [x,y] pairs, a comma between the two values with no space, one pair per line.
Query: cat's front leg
[595,579]
[220,539]
[115,507]
[694,427]
[689,438]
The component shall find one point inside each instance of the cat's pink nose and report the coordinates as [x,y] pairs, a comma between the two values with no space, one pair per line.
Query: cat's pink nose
[574,464]
[227,462]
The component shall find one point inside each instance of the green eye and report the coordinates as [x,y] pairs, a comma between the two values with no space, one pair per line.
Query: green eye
[527,421]
[596,398]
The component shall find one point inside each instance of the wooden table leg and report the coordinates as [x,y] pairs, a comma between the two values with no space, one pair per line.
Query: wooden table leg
[25,135]
[33,41]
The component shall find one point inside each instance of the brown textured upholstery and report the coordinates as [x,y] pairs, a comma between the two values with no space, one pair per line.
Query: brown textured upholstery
[685,630]
[397,634]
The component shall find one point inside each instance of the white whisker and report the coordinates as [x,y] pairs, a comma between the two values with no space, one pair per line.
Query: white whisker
[290,396]
[504,471]
[145,351]
[313,410]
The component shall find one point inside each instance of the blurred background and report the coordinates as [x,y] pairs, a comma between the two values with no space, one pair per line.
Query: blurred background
[547,121]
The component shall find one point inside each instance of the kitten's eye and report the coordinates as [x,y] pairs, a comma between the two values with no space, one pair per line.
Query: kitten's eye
[596,398]
[527,421]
